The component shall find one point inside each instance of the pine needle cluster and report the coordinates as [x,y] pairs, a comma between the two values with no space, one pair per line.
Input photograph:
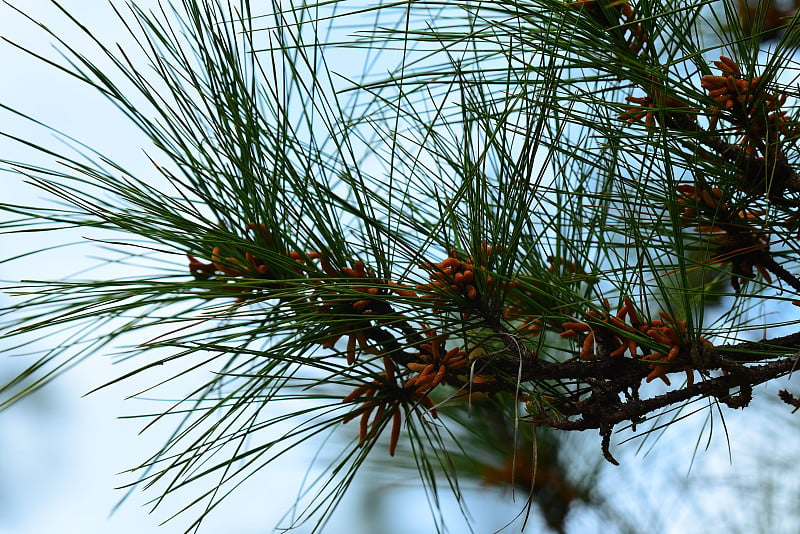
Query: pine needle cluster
[512,216]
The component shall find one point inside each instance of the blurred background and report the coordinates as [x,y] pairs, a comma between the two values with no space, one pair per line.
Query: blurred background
[61,454]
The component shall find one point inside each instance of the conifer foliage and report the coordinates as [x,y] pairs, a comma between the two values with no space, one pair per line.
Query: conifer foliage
[526,217]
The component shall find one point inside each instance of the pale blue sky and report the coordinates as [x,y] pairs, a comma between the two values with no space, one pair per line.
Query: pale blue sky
[59,452]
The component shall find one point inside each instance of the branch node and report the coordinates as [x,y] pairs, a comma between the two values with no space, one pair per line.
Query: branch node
[605,433]
[741,399]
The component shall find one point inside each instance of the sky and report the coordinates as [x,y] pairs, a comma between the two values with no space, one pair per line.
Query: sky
[61,453]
